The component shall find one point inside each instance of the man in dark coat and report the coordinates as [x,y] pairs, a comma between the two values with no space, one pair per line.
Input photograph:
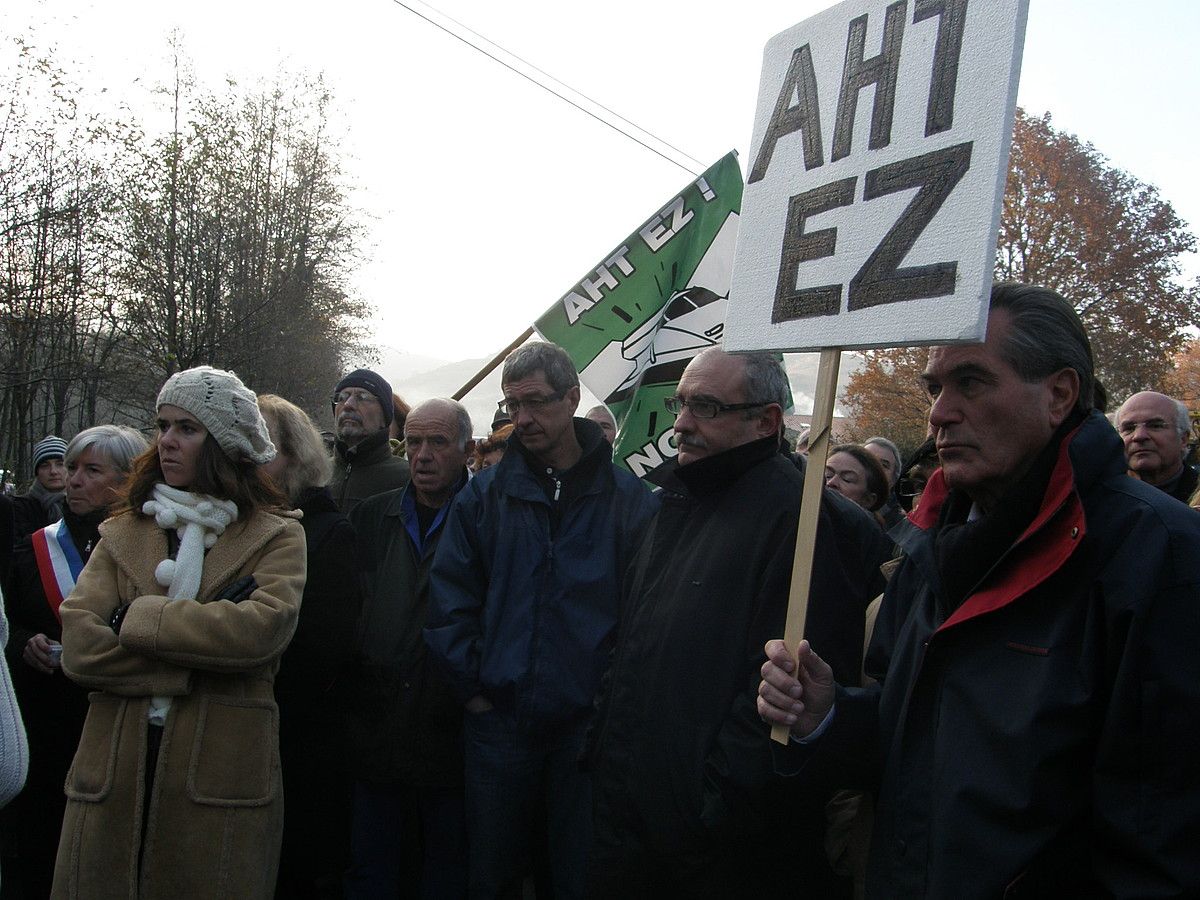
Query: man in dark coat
[523,606]
[405,722]
[363,464]
[1036,723]
[682,763]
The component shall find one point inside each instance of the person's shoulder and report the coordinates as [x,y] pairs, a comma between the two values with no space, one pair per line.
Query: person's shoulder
[1142,532]
[377,505]
[395,464]
[631,486]
[271,524]
[1121,498]
[624,477]
[125,522]
[784,470]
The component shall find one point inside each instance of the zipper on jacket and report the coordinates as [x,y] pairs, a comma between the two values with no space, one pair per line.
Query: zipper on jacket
[345,485]
[557,483]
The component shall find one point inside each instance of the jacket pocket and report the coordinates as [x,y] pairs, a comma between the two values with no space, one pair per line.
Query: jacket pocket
[90,777]
[234,758]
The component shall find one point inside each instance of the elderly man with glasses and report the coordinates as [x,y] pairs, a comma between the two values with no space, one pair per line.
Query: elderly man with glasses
[363,464]
[682,763]
[1156,429]
[523,605]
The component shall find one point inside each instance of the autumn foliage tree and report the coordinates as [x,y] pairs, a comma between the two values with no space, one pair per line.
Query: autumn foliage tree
[885,397]
[1100,237]
[1183,381]
[1104,240]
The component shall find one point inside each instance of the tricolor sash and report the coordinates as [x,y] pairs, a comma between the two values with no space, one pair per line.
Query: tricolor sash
[58,562]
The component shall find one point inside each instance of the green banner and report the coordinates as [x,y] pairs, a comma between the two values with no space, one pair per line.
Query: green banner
[634,322]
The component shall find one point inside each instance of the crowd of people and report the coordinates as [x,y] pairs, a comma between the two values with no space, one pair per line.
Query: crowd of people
[506,667]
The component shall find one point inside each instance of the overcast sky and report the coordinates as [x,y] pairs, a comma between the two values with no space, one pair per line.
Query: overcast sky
[487,199]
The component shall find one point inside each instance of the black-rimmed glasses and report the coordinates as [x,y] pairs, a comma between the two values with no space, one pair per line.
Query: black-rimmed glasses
[512,405]
[705,409]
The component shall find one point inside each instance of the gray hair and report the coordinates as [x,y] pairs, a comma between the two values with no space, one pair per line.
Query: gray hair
[1046,335]
[462,418]
[1183,419]
[549,359]
[119,444]
[766,380]
[892,449]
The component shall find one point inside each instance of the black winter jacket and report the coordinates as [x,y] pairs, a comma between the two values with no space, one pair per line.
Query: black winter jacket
[364,470]
[1041,740]
[682,763]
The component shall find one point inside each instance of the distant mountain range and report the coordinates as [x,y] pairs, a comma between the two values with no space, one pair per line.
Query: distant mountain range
[415,378]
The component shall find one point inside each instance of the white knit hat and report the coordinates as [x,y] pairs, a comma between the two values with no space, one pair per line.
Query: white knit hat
[226,407]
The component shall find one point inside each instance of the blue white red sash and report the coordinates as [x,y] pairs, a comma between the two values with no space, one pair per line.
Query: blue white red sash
[58,562]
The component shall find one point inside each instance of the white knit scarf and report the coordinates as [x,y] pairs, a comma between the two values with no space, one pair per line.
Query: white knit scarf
[199,520]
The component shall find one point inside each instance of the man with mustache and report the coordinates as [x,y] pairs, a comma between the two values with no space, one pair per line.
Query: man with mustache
[1034,728]
[523,603]
[682,762]
[363,464]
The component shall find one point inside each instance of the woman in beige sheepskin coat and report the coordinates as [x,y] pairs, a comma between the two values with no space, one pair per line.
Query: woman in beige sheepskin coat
[177,623]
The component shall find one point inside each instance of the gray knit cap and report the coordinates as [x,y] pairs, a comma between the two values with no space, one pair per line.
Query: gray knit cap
[49,447]
[226,407]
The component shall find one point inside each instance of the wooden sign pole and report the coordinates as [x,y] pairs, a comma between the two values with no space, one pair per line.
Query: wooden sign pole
[492,363]
[810,508]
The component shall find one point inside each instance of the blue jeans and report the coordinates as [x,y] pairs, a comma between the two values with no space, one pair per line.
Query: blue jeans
[515,782]
[407,842]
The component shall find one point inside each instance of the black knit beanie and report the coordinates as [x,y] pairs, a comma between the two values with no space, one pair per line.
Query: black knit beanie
[373,382]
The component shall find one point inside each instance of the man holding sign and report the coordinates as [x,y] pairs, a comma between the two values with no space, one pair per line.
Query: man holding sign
[1035,727]
[682,765]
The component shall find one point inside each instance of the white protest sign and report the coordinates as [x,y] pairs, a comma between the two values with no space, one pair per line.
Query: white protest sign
[876,176]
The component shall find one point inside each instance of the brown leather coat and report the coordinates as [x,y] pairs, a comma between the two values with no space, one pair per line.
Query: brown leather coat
[214,819]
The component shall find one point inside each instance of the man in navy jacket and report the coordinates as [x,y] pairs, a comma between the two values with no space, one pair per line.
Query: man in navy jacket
[523,605]
[1037,722]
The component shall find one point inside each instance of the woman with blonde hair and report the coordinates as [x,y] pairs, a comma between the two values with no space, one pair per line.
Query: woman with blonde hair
[177,624]
[310,685]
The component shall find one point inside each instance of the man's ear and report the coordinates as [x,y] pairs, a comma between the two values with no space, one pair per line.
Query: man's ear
[573,398]
[1063,387]
[769,421]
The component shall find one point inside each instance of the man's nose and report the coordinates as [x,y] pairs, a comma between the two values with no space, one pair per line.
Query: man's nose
[684,420]
[942,411]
